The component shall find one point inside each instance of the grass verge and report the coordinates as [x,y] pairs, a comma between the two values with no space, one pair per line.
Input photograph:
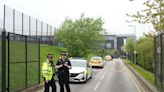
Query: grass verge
[144,73]
[17,70]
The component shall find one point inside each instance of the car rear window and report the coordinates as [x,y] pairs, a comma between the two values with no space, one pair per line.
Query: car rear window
[96,58]
[78,63]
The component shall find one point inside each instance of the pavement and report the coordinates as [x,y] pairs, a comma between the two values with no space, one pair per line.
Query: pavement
[114,77]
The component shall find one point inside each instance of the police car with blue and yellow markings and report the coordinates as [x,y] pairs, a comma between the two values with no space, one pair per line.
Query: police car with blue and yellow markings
[81,70]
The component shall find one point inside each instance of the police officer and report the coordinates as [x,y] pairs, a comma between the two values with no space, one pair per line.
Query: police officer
[63,66]
[48,69]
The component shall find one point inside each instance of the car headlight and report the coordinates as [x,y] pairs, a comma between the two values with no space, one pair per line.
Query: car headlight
[82,72]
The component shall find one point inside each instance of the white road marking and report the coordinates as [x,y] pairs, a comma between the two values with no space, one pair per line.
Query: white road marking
[102,77]
[97,86]
[106,69]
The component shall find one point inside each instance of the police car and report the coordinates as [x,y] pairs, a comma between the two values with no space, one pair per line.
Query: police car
[96,61]
[81,70]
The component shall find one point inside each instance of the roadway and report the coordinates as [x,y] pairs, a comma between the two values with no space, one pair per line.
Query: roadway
[114,77]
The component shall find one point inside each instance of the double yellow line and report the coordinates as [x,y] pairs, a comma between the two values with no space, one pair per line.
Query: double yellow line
[135,81]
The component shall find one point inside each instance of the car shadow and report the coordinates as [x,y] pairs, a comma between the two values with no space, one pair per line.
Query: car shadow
[96,67]
[81,82]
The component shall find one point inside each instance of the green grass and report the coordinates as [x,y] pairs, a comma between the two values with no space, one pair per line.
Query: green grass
[144,73]
[45,49]
[17,70]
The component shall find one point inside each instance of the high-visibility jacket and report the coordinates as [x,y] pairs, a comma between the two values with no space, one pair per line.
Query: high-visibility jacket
[47,70]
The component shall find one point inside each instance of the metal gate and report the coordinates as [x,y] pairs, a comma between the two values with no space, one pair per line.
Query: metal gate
[22,62]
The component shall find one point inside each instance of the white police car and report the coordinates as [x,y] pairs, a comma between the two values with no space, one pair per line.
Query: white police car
[81,70]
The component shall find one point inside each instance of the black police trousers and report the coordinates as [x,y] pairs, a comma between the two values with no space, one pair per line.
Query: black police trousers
[50,83]
[64,80]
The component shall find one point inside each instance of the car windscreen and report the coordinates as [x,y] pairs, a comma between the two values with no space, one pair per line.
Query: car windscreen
[96,58]
[78,64]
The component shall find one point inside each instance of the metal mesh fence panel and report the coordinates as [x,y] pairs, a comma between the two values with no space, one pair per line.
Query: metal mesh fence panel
[32,74]
[20,23]
[33,27]
[17,55]
[44,34]
[33,62]
[26,24]
[23,60]
[9,19]
[39,28]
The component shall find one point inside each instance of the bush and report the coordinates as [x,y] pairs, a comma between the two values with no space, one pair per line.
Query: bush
[145,50]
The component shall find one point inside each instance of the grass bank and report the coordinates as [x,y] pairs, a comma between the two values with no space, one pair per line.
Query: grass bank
[18,65]
[144,73]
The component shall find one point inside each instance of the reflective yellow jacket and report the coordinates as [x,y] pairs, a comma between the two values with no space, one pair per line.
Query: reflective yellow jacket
[47,70]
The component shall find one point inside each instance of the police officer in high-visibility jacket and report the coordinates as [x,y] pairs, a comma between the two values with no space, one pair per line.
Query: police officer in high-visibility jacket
[48,71]
[63,65]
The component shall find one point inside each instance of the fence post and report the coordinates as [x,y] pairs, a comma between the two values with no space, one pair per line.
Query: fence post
[3,61]
[13,22]
[155,60]
[47,35]
[4,18]
[54,33]
[8,39]
[41,32]
[29,26]
[51,35]
[22,23]
[161,62]
[25,61]
[39,60]
[36,27]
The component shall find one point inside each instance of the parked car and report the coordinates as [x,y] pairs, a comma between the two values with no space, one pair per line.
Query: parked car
[123,56]
[108,58]
[81,70]
[96,61]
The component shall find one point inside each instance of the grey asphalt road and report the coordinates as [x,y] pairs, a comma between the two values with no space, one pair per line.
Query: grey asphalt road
[114,77]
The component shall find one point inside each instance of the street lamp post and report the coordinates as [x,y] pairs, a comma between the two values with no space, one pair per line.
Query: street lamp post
[135,52]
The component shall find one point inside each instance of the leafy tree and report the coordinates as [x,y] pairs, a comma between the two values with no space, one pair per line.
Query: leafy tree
[130,46]
[145,50]
[81,36]
[154,14]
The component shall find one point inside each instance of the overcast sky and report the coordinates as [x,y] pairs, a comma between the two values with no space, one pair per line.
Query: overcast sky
[55,11]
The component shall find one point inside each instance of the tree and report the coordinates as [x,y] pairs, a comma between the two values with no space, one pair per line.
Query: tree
[82,35]
[145,50]
[154,14]
[129,48]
